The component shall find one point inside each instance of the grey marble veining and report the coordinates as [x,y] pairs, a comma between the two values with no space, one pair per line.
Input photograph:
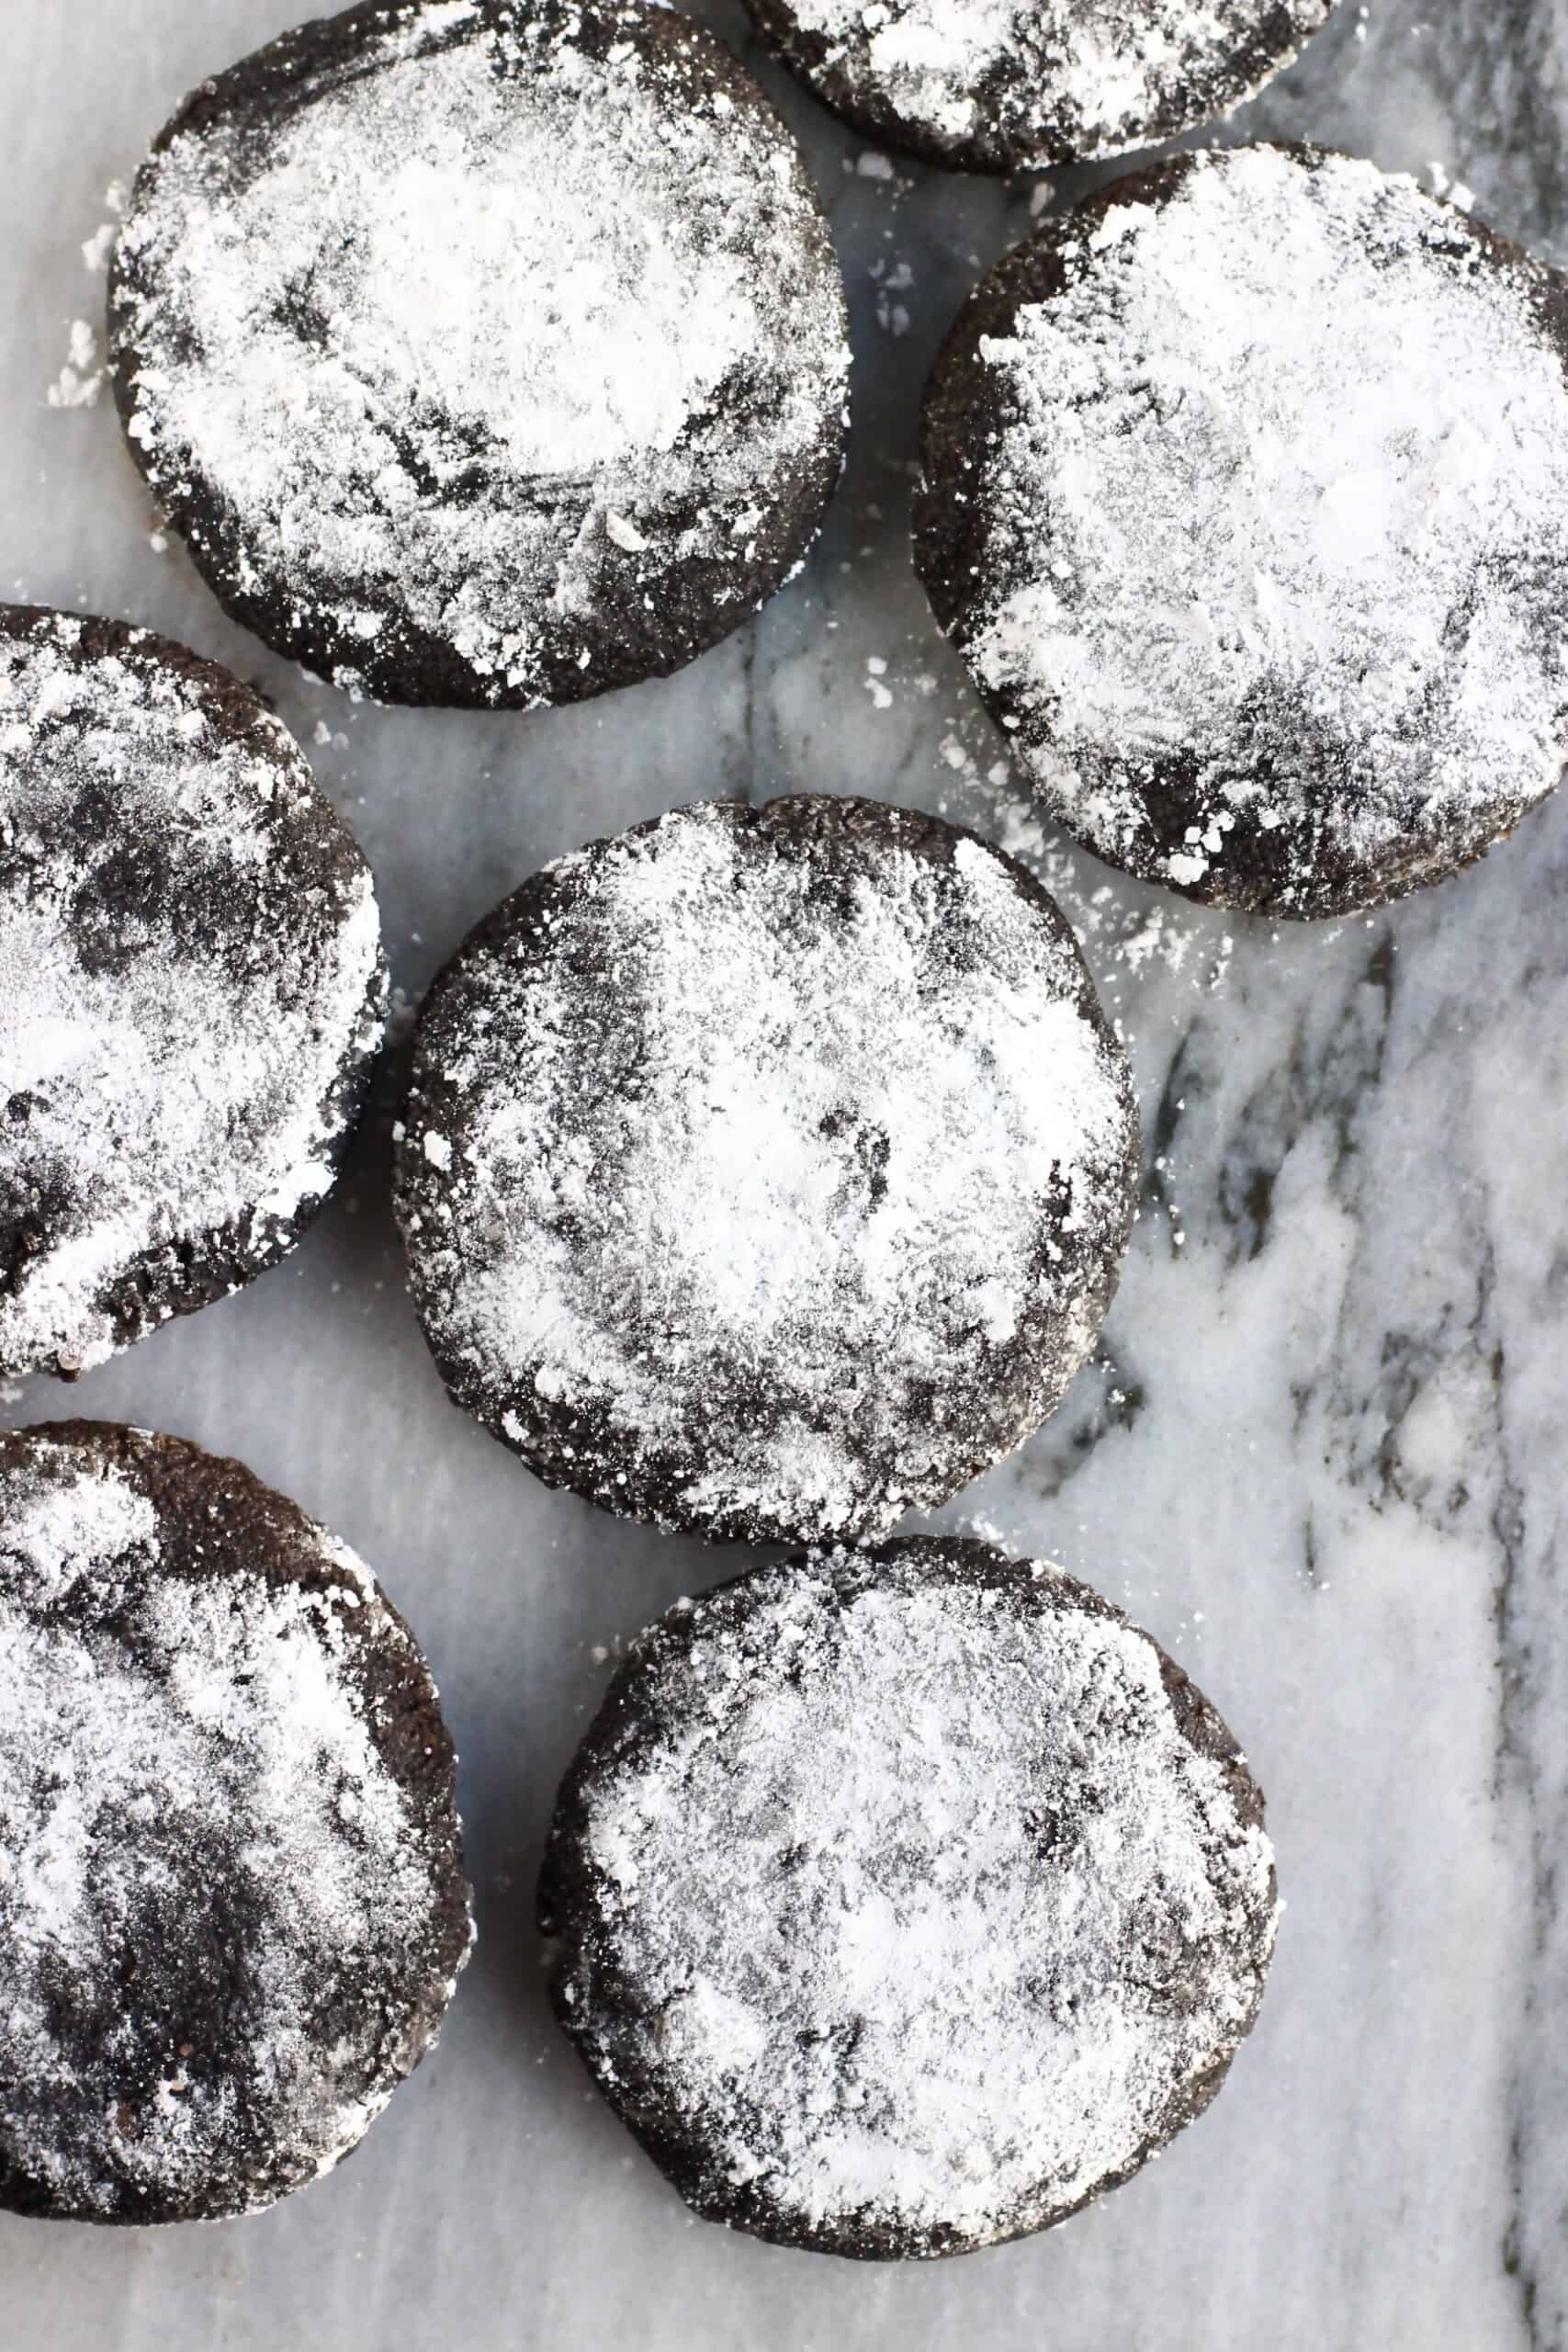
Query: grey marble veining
[1320,1456]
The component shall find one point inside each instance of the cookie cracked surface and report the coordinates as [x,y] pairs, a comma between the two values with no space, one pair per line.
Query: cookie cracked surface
[1245,498]
[484,352]
[766,1171]
[904,1899]
[192,990]
[233,1907]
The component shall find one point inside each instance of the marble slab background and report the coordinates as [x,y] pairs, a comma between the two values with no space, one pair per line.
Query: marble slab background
[1322,1456]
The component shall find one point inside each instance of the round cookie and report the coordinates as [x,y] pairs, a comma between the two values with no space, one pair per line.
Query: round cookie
[485,351]
[191,988]
[1008,85]
[1246,499]
[906,1899]
[766,1171]
[233,1907]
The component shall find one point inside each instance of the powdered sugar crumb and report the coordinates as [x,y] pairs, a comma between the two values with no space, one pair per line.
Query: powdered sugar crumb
[1122,935]
[80,380]
[95,252]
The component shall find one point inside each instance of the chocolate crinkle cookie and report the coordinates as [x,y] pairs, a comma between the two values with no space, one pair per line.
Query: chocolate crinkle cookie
[1007,86]
[906,1899]
[191,988]
[766,1171]
[484,351]
[233,1907]
[1245,500]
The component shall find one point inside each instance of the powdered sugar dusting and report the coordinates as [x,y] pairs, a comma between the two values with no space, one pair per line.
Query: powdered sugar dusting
[1281,503]
[80,380]
[1042,81]
[507,320]
[929,1918]
[182,997]
[803,1170]
[191,1800]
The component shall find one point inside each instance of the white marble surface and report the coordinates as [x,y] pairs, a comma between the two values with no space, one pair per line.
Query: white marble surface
[1322,1458]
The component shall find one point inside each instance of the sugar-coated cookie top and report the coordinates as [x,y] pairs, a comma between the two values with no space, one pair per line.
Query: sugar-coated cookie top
[190,976]
[1261,484]
[907,1899]
[767,1171]
[230,1900]
[455,332]
[1006,84]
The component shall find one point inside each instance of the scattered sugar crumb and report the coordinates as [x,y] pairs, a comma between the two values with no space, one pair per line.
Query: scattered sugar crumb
[1450,190]
[80,380]
[99,245]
